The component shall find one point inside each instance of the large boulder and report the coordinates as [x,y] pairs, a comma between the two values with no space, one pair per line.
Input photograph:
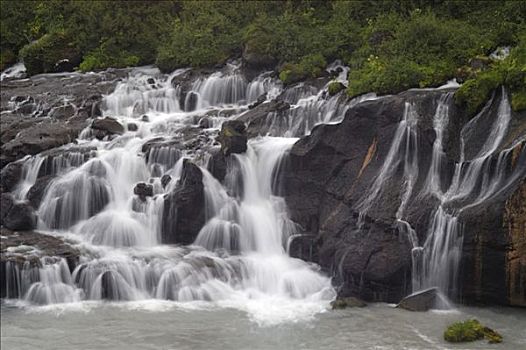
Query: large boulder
[422,301]
[20,216]
[143,190]
[256,118]
[184,207]
[106,126]
[38,190]
[233,137]
[10,175]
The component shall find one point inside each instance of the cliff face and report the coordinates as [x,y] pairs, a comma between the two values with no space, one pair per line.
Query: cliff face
[362,199]
[515,222]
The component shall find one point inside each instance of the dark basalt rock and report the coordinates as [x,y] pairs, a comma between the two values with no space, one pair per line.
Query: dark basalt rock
[15,263]
[233,137]
[259,101]
[217,165]
[132,127]
[38,190]
[106,126]
[165,180]
[184,207]
[256,118]
[19,217]
[421,301]
[143,190]
[9,176]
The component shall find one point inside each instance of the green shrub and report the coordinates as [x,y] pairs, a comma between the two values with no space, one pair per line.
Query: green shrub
[470,330]
[103,57]
[310,66]
[41,56]
[7,58]
[335,87]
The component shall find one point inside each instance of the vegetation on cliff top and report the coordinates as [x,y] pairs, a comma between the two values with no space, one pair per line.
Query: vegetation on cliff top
[389,45]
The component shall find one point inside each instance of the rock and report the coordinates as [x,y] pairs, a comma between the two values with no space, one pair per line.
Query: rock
[16,263]
[165,180]
[107,126]
[38,190]
[233,137]
[343,303]
[9,176]
[256,118]
[470,330]
[262,98]
[255,59]
[39,137]
[190,101]
[132,127]
[6,203]
[184,207]
[62,112]
[145,118]
[217,165]
[20,217]
[205,123]
[65,65]
[421,301]
[143,190]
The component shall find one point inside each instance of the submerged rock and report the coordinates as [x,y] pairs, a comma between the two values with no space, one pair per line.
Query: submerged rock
[38,190]
[343,303]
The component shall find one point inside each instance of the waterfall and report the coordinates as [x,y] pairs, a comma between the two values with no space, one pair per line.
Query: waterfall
[240,255]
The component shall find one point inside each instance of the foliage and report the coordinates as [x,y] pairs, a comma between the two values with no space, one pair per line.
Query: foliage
[310,66]
[470,330]
[510,72]
[42,55]
[390,46]
[335,87]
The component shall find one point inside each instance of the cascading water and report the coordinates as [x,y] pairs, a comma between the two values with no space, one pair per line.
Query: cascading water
[238,259]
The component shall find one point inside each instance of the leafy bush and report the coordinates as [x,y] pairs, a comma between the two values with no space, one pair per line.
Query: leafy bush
[106,56]
[41,56]
[335,87]
[310,66]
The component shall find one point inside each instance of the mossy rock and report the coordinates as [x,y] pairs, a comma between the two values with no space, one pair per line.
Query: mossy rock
[518,100]
[335,87]
[470,330]
[43,55]
[343,303]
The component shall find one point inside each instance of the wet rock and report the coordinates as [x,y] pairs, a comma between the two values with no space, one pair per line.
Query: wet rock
[107,126]
[62,112]
[183,215]
[343,303]
[145,118]
[66,65]
[132,127]
[15,261]
[205,123]
[217,165]
[38,190]
[256,118]
[259,101]
[165,180]
[233,137]
[9,176]
[143,190]
[6,203]
[421,301]
[20,217]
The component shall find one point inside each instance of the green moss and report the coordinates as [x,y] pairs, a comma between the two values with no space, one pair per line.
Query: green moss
[42,55]
[470,330]
[335,87]
[518,100]
[474,93]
